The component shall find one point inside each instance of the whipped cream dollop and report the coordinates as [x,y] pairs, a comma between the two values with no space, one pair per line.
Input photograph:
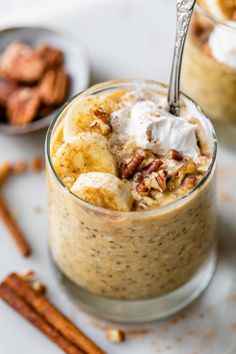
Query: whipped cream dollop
[222,43]
[156,129]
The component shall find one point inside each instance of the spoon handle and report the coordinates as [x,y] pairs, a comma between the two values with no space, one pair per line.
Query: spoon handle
[184,13]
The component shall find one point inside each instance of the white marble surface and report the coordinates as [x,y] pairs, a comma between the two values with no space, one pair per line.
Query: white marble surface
[124,38]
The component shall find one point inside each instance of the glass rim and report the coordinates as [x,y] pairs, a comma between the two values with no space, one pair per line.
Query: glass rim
[218,22]
[149,212]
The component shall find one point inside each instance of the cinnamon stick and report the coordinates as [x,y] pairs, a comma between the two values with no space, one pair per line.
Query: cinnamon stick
[14,229]
[16,302]
[51,314]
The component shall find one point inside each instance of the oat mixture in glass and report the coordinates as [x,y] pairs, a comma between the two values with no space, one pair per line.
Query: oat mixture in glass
[136,216]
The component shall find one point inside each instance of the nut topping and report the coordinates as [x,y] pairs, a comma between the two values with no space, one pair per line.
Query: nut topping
[176,155]
[23,106]
[54,87]
[21,64]
[189,168]
[154,165]
[50,55]
[129,169]
[101,114]
[138,177]
[142,189]
[191,182]
[98,123]
[161,180]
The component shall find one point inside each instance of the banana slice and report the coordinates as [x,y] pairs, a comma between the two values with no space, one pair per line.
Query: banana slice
[220,9]
[103,190]
[83,153]
[89,114]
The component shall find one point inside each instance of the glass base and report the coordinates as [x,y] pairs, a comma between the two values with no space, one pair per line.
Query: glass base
[144,310]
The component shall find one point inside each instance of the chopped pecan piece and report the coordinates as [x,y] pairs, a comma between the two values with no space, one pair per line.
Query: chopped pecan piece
[102,127]
[129,169]
[22,106]
[101,114]
[154,165]
[52,56]
[20,63]
[191,182]
[176,155]
[39,287]
[161,180]
[37,164]
[138,177]
[54,87]
[189,168]
[142,189]
[115,335]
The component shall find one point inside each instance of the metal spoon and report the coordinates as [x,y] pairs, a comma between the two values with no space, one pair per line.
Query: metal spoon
[184,14]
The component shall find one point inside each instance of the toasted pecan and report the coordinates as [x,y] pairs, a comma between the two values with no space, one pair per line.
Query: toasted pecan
[101,114]
[161,180]
[129,169]
[154,165]
[22,106]
[176,155]
[52,56]
[54,87]
[20,63]
[142,189]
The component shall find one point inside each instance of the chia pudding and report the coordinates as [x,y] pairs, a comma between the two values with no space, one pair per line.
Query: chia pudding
[131,191]
[209,62]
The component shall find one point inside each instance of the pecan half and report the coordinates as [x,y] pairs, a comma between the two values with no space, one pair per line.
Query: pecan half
[22,106]
[154,165]
[21,63]
[52,56]
[161,180]
[176,155]
[129,169]
[54,87]
[142,189]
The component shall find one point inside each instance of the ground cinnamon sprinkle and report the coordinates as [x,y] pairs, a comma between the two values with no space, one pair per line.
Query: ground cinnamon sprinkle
[37,309]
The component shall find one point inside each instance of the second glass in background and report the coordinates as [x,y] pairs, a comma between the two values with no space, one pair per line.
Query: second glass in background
[209,71]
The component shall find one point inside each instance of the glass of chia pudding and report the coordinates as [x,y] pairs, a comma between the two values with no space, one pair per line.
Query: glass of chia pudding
[131,200]
[209,63]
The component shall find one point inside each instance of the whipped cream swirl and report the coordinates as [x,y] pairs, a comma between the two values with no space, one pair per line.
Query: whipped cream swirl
[156,129]
[222,43]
